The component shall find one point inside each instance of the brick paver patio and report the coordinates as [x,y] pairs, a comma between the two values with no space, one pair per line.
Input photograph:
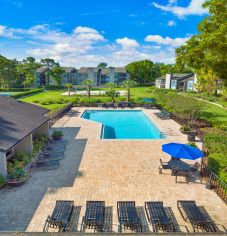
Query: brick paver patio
[116,170]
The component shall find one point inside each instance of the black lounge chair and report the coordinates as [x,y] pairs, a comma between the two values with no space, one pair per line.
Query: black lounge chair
[55,148]
[163,115]
[163,166]
[52,156]
[158,217]
[127,216]
[197,216]
[48,165]
[54,152]
[60,217]
[94,215]
[148,105]
[110,105]
[59,144]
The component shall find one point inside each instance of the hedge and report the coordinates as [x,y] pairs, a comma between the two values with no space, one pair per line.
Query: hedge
[27,93]
[14,89]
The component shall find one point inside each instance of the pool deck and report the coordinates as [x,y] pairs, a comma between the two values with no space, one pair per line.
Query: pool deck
[117,170]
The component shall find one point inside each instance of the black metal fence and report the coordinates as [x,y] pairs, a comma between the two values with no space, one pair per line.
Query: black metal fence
[60,113]
[216,184]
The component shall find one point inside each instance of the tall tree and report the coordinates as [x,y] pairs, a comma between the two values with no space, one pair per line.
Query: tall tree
[207,51]
[102,65]
[128,84]
[88,84]
[9,77]
[27,68]
[57,74]
[112,92]
[69,87]
[143,72]
[49,63]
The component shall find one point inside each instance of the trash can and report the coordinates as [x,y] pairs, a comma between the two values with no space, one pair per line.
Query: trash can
[191,137]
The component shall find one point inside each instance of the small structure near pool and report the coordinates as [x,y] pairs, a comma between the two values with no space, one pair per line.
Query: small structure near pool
[19,123]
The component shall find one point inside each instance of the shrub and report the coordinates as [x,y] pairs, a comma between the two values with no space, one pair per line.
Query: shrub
[192,144]
[2,181]
[39,142]
[21,157]
[54,87]
[185,129]
[57,133]
[27,93]
[16,174]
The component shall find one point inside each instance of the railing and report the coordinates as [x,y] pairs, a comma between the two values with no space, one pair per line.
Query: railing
[215,183]
[58,114]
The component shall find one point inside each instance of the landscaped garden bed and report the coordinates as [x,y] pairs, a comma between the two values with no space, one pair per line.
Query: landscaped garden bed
[19,165]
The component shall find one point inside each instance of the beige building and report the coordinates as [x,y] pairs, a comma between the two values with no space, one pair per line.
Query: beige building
[19,124]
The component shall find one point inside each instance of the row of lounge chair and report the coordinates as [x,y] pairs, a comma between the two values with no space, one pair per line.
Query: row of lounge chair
[49,158]
[115,105]
[160,217]
[163,115]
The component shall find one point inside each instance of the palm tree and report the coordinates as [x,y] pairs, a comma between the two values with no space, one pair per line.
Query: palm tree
[128,84]
[112,92]
[88,83]
[69,87]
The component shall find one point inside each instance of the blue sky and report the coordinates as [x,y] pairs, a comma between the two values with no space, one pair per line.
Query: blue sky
[84,33]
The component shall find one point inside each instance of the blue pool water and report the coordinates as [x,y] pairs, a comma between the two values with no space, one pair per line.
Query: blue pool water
[125,124]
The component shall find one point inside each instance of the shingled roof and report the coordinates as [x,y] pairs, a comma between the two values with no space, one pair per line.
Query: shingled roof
[18,120]
[69,69]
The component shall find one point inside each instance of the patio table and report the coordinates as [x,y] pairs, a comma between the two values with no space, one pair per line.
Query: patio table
[178,165]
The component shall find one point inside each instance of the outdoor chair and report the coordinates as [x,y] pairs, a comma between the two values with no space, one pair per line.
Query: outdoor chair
[148,106]
[185,174]
[122,105]
[158,217]
[55,148]
[163,166]
[197,216]
[53,152]
[127,216]
[48,165]
[94,215]
[111,105]
[60,217]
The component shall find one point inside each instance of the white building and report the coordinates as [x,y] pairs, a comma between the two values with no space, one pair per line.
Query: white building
[184,82]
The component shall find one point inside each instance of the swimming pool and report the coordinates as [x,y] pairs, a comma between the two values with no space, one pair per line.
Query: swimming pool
[124,124]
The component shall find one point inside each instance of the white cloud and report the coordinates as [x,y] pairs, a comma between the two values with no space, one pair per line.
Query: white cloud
[171,23]
[194,8]
[127,43]
[176,42]
[83,46]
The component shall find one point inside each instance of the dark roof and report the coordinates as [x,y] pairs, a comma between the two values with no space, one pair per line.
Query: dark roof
[17,120]
[120,70]
[179,77]
[69,69]
[103,71]
[87,69]
[42,69]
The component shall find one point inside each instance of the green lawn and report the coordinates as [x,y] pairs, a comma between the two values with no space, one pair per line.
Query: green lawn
[53,100]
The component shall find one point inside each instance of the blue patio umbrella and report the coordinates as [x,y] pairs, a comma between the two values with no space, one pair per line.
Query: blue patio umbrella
[185,151]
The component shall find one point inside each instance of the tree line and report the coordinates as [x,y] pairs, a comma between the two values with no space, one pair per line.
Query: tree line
[16,74]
